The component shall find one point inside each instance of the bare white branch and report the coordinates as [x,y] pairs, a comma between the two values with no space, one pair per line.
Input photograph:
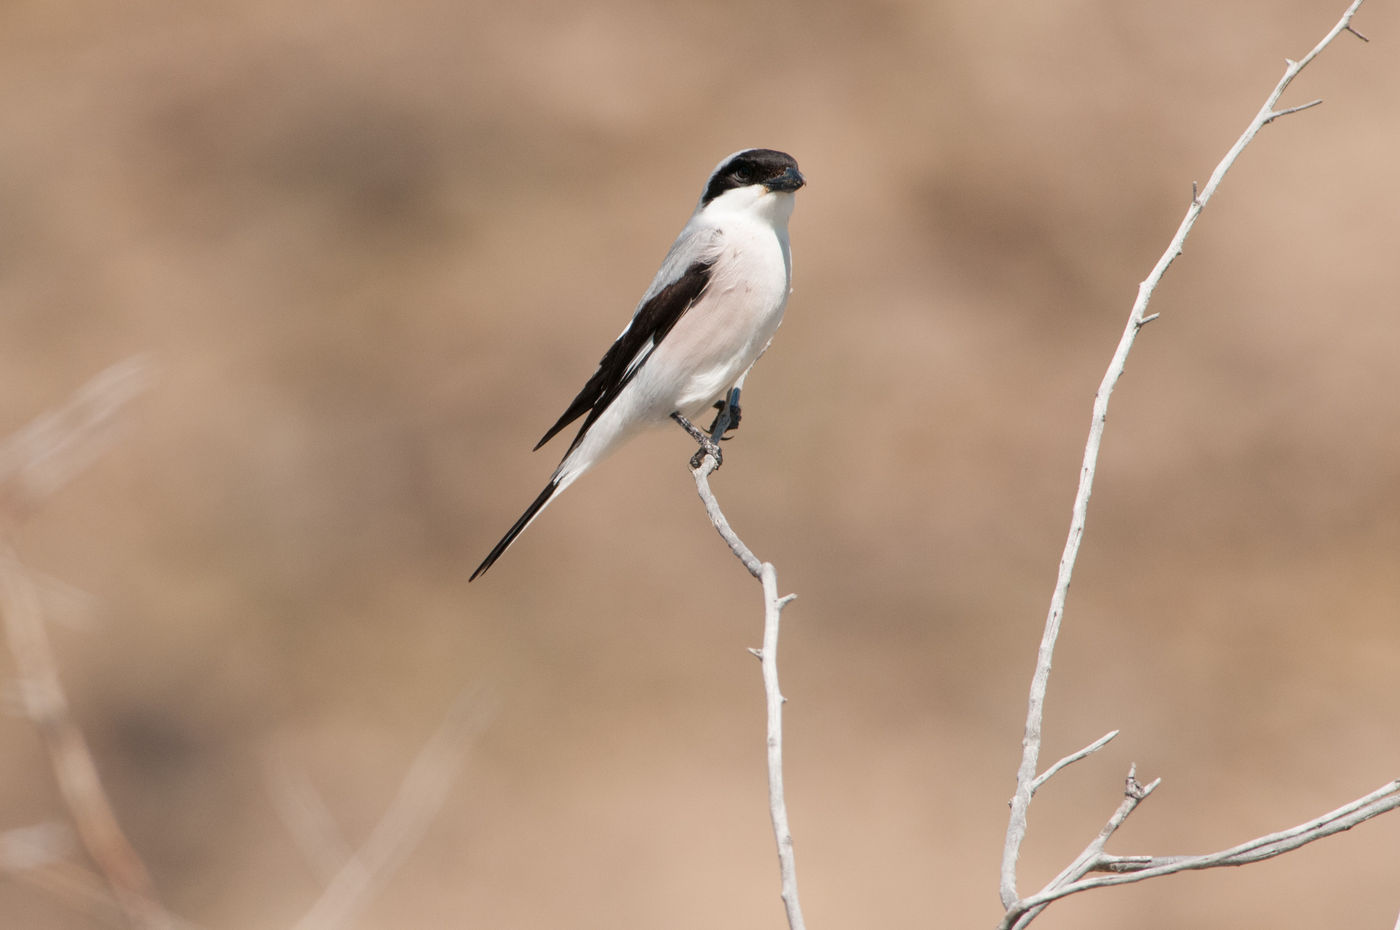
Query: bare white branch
[1290,110]
[773,606]
[1133,795]
[1137,318]
[1072,758]
[736,545]
[1139,868]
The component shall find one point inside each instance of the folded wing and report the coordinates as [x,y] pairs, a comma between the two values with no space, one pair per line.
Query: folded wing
[652,321]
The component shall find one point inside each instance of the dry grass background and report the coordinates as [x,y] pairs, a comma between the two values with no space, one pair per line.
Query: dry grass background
[373,249]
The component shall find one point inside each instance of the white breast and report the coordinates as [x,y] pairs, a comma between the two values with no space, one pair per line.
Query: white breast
[723,334]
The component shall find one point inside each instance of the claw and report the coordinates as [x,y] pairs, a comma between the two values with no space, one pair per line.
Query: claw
[707,445]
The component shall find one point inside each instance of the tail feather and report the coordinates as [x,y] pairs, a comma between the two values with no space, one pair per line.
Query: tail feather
[554,486]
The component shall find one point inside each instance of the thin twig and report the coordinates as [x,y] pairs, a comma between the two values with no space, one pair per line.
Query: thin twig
[1030,746]
[34,464]
[736,545]
[1289,111]
[772,613]
[303,811]
[419,798]
[1140,868]
[44,456]
[1133,795]
[46,705]
[1072,758]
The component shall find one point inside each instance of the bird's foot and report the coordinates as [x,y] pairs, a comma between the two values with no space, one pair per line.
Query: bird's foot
[708,446]
[726,420]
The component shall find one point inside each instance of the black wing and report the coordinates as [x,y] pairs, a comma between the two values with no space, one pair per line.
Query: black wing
[648,327]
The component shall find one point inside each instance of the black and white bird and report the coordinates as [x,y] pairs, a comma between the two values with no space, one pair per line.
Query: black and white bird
[709,314]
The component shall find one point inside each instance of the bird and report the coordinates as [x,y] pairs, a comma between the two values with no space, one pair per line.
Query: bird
[710,312]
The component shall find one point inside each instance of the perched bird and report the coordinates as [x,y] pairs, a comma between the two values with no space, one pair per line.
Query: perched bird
[709,314]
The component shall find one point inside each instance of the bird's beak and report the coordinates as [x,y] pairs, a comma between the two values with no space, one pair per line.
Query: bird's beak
[790,180]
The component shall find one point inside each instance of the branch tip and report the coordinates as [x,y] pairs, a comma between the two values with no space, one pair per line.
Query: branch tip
[1290,111]
[1072,758]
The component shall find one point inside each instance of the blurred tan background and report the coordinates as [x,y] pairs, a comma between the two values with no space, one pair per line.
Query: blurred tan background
[372,249]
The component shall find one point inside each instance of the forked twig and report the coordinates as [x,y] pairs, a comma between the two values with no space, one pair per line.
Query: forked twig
[1072,758]
[1026,778]
[1127,869]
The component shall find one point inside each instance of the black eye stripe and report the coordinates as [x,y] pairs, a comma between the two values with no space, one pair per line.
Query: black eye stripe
[752,166]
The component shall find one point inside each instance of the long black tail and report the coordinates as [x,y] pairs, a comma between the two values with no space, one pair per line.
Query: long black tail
[518,528]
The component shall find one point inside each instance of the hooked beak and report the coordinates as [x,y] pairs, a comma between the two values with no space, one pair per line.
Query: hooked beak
[790,180]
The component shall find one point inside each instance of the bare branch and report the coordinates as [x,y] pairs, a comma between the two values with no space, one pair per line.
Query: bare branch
[44,456]
[772,613]
[1140,868]
[303,811]
[1072,758]
[1290,110]
[1030,745]
[419,798]
[1133,795]
[46,704]
[736,545]
[37,855]
[34,464]
[23,848]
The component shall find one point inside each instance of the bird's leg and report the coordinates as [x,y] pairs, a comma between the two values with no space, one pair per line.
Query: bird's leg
[727,419]
[707,445]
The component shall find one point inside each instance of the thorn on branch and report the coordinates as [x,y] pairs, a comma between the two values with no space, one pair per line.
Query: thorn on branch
[1147,319]
[756,653]
[1348,28]
[1195,195]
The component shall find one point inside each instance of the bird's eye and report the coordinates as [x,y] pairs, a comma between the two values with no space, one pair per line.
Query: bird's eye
[743,175]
